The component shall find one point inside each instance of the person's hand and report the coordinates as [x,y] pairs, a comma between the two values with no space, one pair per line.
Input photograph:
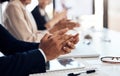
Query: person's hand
[63,24]
[60,15]
[69,43]
[68,24]
[56,18]
[57,44]
[52,44]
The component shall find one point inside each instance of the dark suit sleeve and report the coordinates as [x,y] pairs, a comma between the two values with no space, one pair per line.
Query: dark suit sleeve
[22,64]
[10,45]
[39,19]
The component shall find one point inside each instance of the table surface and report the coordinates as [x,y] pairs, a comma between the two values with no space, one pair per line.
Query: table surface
[106,42]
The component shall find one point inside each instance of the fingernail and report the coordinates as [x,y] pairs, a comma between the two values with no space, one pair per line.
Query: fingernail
[69,43]
[67,29]
[71,39]
[64,48]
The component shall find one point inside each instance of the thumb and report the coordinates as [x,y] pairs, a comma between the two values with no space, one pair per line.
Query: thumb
[46,36]
[63,31]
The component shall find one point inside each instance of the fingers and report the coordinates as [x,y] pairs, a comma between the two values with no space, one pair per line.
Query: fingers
[65,42]
[70,45]
[46,36]
[76,38]
[77,25]
[68,40]
[63,39]
[63,31]
[76,35]
[66,50]
[72,25]
[61,36]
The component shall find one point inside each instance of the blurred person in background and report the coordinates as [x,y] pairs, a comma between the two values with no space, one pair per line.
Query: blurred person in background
[20,23]
[59,20]
[41,17]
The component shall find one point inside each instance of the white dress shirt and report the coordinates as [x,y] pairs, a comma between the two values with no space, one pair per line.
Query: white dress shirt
[43,54]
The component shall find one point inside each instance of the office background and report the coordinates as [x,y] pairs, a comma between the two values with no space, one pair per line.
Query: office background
[106,13]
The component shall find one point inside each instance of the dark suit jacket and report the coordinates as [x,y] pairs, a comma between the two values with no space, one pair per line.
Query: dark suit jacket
[40,20]
[21,58]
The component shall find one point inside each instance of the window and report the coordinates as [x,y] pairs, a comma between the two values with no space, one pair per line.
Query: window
[114,15]
[87,12]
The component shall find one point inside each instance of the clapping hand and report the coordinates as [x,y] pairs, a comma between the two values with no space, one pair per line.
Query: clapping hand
[58,43]
[64,24]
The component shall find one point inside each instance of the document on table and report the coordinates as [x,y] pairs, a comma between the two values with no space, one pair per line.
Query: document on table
[64,64]
[83,51]
[59,65]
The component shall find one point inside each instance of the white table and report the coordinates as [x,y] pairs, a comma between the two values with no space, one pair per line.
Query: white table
[107,43]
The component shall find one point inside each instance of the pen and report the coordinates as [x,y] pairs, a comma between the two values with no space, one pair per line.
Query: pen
[88,72]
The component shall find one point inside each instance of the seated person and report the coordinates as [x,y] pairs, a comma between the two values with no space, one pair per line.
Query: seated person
[24,58]
[20,23]
[42,20]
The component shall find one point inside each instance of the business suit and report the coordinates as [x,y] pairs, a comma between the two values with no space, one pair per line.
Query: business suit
[21,58]
[40,20]
[20,23]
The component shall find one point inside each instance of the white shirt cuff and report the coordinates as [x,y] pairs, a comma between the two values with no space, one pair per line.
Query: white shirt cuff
[43,54]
